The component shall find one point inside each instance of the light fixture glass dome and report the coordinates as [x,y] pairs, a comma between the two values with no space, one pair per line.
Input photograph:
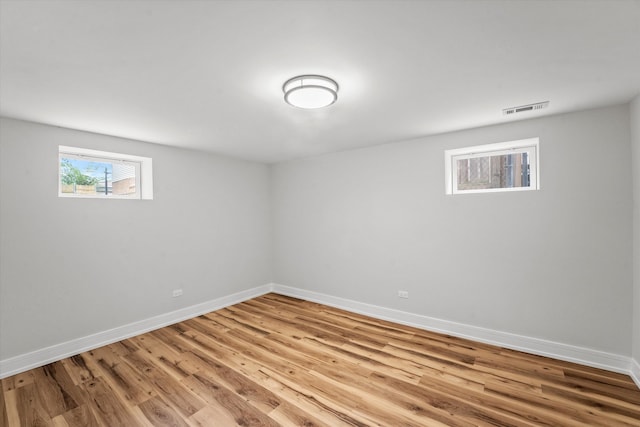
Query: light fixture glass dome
[310,91]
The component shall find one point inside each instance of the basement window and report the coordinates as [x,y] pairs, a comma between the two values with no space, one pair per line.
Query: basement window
[505,166]
[85,173]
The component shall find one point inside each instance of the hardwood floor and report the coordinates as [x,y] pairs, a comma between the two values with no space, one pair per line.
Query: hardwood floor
[276,360]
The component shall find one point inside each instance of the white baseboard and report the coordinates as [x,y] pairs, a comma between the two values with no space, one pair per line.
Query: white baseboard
[581,355]
[50,354]
[556,350]
[635,372]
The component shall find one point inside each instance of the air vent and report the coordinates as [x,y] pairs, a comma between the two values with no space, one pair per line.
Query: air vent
[525,108]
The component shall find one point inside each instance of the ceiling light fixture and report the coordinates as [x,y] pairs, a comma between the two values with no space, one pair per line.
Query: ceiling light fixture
[310,91]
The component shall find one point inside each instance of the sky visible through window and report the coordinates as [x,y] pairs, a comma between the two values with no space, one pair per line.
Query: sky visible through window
[92,173]
[86,176]
[92,168]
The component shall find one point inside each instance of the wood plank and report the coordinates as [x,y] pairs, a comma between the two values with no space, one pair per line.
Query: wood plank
[82,416]
[56,390]
[237,407]
[168,387]
[276,360]
[165,355]
[161,414]
[604,410]
[553,411]
[4,416]
[245,363]
[106,406]
[81,368]
[214,371]
[59,421]
[205,416]
[287,414]
[18,380]
[29,408]
[131,386]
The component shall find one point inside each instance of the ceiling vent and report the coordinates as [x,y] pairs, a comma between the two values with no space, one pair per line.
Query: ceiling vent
[524,108]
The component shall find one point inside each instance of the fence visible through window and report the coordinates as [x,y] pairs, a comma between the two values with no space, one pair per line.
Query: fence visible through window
[87,173]
[84,176]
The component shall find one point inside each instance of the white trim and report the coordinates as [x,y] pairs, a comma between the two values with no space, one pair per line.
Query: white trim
[556,350]
[497,146]
[34,359]
[144,171]
[634,372]
[530,145]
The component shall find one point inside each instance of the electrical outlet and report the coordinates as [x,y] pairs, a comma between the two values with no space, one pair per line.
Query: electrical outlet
[177,292]
[403,294]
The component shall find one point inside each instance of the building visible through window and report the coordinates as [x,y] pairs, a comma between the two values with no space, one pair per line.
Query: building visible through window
[505,171]
[92,173]
[505,166]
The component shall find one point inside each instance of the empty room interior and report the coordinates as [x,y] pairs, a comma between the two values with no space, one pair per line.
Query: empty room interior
[319,213]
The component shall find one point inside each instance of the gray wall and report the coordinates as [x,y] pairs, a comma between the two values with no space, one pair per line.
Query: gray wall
[553,264]
[635,149]
[73,267]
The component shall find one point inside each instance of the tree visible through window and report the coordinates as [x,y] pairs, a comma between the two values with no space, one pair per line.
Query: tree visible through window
[92,173]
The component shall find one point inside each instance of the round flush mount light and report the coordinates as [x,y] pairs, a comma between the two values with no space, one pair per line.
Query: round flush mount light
[310,91]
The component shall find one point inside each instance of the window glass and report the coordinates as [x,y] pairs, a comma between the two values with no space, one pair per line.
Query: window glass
[504,171]
[506,166]
[92,173]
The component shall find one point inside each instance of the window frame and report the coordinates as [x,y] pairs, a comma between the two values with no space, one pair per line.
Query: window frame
[531,146]
[143,165]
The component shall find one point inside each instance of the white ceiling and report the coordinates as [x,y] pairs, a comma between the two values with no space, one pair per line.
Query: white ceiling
[208,75]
